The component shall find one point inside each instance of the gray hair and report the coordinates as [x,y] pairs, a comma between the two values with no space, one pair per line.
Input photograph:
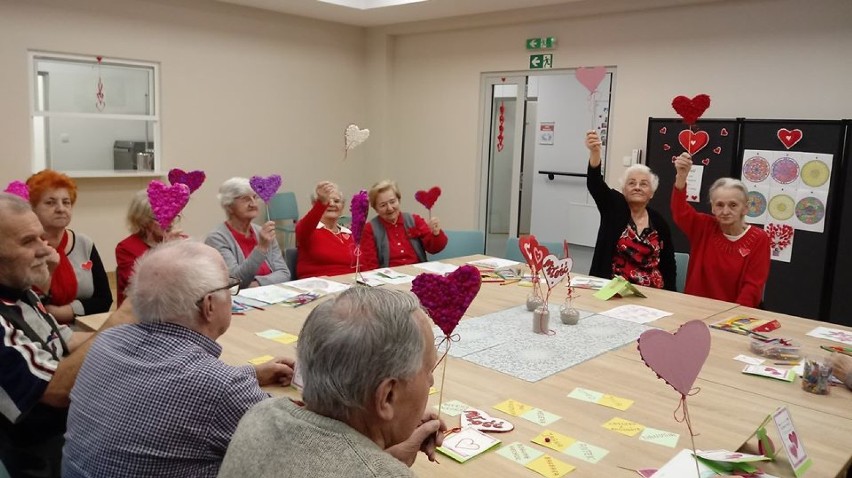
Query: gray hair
[639,168]
[351,343]
[729,183]
[168,281]
[11,204]
[231,189]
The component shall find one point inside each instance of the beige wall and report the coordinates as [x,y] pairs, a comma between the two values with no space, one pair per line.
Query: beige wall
[243,92]
[758,59]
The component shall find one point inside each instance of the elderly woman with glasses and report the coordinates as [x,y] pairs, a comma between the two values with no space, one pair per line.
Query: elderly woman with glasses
[325,247]
[78,283]
[634,241]
[145,233]
[250,251]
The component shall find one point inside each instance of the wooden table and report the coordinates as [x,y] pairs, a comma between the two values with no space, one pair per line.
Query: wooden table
[728,408]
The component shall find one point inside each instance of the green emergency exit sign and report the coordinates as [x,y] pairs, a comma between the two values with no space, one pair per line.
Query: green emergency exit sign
[545,43]
[541,62]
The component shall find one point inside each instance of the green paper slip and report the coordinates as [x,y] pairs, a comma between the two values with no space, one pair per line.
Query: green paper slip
[586,452]
[453,407]
[586,395]
[660,437]
[519,453]
[540,417]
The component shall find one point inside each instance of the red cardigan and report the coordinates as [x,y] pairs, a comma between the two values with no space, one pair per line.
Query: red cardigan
[733,271]
[321,252]
[127,251]
[401,251]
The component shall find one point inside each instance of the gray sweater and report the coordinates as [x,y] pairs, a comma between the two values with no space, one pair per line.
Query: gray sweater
[279,438]
[245,268]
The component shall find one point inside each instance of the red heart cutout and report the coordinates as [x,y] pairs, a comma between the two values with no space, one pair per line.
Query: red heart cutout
[556,269]
[533,253]
[663,130]
[717,149]
[744,251]
[789,138]
[691,109]
[694,197]
[724,132]
[193,179]
[666,147]
[705,161]
[676,358]
[86,266]
[483,421]
[693,142]
[446,299]
[794,440]
[428,198]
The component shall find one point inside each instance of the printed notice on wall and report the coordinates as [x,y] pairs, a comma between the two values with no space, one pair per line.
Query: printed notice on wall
[545,133]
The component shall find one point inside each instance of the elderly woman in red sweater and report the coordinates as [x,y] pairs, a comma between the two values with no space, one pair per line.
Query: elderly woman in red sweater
[729,259]
[325,247]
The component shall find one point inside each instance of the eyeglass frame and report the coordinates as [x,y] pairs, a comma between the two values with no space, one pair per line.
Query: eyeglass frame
[233,283]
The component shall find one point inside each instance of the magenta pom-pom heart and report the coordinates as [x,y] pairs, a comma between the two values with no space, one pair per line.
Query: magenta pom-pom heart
[428,198]
[167,201]
[18,188]
[446,298]
[676,358]
[265,187]
[358,207]
[193,179]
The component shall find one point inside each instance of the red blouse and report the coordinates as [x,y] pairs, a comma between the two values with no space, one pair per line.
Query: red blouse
[247,244]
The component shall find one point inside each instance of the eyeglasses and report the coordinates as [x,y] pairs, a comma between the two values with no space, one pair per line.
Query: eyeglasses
[233,287]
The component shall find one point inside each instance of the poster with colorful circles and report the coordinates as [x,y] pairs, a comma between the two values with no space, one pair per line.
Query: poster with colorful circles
[784,168]
[810,210]
[757,204]
[816,171]
[781,205]
[755,166]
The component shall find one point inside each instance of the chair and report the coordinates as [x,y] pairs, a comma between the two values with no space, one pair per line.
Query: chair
[291,254]
[513,250]
[283,207]
[461,243]
[682,264]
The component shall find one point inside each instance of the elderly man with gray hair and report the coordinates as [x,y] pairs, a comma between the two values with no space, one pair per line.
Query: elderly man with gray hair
[153,398]
[366,358]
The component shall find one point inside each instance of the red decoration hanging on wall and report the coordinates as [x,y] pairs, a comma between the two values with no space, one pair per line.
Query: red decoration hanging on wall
[100,104]
[502,119]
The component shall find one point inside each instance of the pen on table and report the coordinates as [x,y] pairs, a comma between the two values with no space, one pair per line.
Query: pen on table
[792,362]
[249,305]
[511,281]
[840,350]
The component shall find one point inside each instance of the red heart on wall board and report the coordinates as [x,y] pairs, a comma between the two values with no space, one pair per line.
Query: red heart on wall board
[717,149]
[691,109]
[428,198]
[663,130]
[789,138]
[705,161]
[666,147]
[693,142]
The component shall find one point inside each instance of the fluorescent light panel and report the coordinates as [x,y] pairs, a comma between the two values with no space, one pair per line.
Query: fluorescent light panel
[370,4]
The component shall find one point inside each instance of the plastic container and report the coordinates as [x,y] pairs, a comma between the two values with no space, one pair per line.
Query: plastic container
[779,349]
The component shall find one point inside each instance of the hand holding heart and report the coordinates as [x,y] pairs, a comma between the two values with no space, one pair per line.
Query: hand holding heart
[434,226]
[682,164]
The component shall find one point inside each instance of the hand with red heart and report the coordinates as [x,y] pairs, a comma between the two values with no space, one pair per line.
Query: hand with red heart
[533,253]
[446,299]
[676,358]
[693,141]
[428,198]
[682,164]
[691,109]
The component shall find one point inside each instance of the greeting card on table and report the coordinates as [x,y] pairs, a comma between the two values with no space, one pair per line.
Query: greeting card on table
[743,324]
[466,444]
[618,286]
[793,446]
[835,335]
[726,462]
[778,373]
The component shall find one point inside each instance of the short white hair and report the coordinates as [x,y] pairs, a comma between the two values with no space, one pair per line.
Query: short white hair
[231,189]
[729,183]
[639,168]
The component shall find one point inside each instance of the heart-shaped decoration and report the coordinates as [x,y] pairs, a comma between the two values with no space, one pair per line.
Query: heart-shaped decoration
[691,109]
[193,179]
[693,141]
[674,158]
[533,253]
[663,130]
[446,299]
[666,147]
[693,197]
[789,138]
[167,201]
[794,443]
[744,251]
[724,132]
[705,161]
[717,150]
[18,188]
[676,358]
[555,269]
[428,198]
[265,187]
[86,266]
[467,444]
[353,136]
[591,77]
[483,421]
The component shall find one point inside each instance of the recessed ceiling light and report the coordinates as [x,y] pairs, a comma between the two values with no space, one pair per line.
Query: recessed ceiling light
[370,4]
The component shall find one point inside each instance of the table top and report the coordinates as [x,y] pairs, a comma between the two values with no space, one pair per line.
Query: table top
[726,411]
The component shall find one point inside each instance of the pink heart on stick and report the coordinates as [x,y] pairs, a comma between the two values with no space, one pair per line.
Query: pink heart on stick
[18,188]
[428,198]
[591,77]
[167,201]
[193,179]
[555,269]
[676,358]
[446,299]
[265,187]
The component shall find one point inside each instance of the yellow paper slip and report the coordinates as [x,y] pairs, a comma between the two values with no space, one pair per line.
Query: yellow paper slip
[286,338]
[554,440]
[513,407]
[625,427]
[618,403]
[548,466]
[261,359]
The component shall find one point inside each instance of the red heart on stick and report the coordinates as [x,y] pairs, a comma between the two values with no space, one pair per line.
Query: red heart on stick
[533,253]
[428,198]
[446,299]
[789,138]
[676,358]
[693,142]
[691,109]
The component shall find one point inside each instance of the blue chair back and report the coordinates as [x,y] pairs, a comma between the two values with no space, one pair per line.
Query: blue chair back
[291,255]
[513,250]
[283,207]
[461,243]
[682,263]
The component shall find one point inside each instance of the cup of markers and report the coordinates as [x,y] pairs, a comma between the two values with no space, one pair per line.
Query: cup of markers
[816,376]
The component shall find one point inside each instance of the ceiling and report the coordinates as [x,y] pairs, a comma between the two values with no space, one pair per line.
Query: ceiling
[415,12]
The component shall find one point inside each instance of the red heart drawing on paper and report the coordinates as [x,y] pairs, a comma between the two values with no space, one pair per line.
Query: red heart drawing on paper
[789,138]
[193,179]
[691,109]
[705,161]
[533,253]
[794,444]
[167,201]
[663,130]
[693,197]
[428,198]
[717,149]
[666,147]
[724,132]
[556,269]
[693,142]
[446,299]
[483,421]
[86,266]
[676,358]
[744,251]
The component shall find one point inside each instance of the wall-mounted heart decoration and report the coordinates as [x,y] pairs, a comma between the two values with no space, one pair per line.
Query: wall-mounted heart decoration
[789,138]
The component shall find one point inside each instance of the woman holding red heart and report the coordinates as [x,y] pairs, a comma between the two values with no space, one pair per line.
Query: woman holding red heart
[395,238]
[634,241]
[728,259]
[325,247]
[78,283]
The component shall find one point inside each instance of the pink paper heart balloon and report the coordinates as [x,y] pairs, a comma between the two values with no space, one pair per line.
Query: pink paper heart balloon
[167,201]
[676,358]
[555,269]
[18,188]
[446,299]
[265,187]
[591,77]
[428,198]
[193,179]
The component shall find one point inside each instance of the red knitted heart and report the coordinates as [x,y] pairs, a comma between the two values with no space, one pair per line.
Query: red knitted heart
[446,299]
[693,142]
[789,138]
[691,109]
[428,198]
